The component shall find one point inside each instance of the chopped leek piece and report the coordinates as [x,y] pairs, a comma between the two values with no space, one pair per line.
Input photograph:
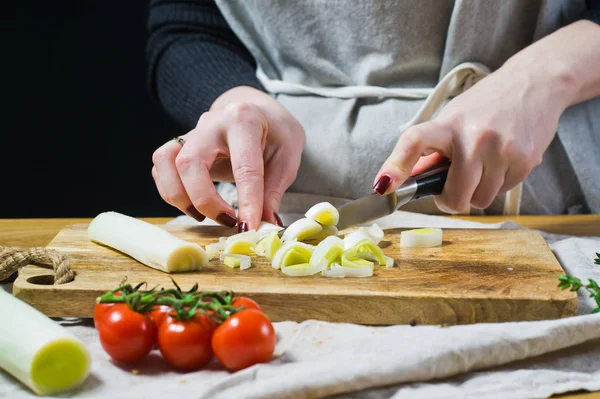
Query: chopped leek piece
[364,271]
[333,273]
[324,213]
[327,231]
[293,257]
[272,244]
[215,248]
[329,250]
[428,237]
[264,228]
[368,246]
[236,260]
[370,256]
[389,262]
[355,237]
[241,246]
[303,269]
[260,247]
[349,259]
[376,233]
[251,235]
[232,261]
[301,229]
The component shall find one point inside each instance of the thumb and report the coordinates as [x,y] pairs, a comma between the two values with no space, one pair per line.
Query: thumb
[428,162]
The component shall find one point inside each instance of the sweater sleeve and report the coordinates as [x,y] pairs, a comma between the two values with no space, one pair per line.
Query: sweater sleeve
[593,11]
[193,57]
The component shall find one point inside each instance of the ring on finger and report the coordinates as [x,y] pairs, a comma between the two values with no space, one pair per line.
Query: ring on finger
[179,140]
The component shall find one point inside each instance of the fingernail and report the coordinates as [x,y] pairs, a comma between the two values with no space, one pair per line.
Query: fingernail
[193,212]
[242,227]
[278,219]
[226,220]
[382,184]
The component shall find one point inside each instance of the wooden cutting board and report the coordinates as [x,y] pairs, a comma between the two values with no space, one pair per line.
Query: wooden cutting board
[474,276]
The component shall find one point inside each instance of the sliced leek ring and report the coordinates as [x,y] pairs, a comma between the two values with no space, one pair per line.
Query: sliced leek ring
[301,254]
[301,229]
[421,238]
[324,213]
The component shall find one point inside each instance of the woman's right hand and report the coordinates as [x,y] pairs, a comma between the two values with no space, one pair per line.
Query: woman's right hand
[247,137]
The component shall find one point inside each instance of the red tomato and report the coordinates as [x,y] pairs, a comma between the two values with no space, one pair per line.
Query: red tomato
[244,339]
[100,309]
[126,335]
[159,314]
[187,344]
[245,302]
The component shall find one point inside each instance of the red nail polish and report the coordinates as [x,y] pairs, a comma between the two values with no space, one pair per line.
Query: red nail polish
[382,184]
[193,212]
[242,227]
[278,219]
[226,220]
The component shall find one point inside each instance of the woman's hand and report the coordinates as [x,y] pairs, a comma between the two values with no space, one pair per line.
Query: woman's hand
[246,137]
[496,132]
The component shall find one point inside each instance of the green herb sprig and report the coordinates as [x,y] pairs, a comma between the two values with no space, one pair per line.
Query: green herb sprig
[574,283]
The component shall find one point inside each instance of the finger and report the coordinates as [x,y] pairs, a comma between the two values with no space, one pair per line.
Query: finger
[246,136]
[514,175]
[280,173]
[168,182]
[159,186]
[414,142]
[428,162]
[193,163]
[492,179]
[463,178]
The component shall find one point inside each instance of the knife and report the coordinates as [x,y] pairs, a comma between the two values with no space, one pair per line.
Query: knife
[375,206]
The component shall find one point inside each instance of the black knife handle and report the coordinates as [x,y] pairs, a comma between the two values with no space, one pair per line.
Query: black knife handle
[431,182]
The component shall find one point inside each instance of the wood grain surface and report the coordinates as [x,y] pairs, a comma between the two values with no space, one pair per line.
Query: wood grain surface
[39,232]
[475,276]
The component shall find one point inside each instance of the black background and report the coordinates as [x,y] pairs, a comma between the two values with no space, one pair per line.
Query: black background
[78,124]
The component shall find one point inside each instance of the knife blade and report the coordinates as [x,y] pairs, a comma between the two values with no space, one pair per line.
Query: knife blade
[375,206]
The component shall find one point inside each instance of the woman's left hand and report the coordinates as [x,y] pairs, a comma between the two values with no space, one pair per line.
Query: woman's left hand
[495,133]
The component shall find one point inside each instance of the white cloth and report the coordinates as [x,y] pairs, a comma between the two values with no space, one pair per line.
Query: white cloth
[318,359]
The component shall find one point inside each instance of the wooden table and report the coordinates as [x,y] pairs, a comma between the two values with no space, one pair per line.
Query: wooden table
[39,232]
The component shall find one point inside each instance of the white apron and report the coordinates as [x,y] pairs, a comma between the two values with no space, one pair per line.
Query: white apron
[356,73]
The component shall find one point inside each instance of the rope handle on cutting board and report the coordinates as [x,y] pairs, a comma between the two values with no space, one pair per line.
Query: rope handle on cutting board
[13,258]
